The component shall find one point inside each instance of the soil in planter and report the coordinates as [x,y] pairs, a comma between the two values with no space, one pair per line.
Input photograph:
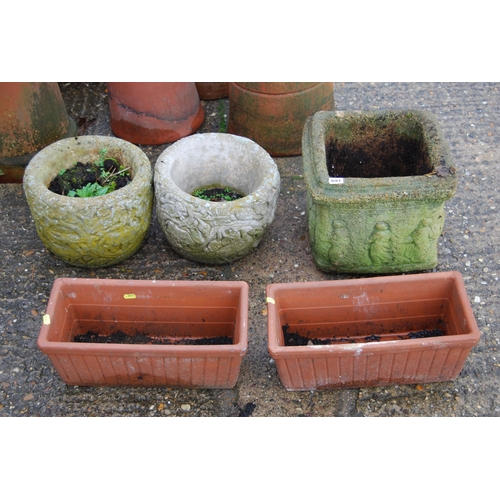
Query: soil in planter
[83,174]
[294,339]
[377,150]
[142,338]
[218,193]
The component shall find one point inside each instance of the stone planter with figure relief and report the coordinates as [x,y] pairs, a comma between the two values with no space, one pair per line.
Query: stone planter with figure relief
[377,183]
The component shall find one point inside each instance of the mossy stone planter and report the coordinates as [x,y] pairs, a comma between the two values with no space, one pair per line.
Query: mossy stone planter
[376,187]
[215,232]
[90,232]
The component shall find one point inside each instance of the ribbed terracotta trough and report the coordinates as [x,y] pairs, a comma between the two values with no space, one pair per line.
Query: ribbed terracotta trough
[162,309]
[370,322]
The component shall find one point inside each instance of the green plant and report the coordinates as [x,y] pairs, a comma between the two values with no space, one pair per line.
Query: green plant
[226,196]
[199,193]
[216,193]
[102,158]
[105,175]
[90,190]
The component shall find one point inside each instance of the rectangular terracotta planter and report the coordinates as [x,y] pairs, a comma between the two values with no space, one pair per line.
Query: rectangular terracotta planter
[173,309]
[370,318]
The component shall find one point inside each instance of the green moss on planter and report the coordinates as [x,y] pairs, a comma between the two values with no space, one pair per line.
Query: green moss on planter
[384,211]
[90,232]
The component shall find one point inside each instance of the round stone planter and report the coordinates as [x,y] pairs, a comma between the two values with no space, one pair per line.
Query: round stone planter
[90,232]
[215,232]
[376,187]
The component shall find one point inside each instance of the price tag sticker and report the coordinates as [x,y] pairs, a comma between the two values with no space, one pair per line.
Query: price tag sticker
[129,296]
[336,180]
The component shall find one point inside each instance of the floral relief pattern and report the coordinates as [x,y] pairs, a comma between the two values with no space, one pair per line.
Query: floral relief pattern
[214,232]
[87,239]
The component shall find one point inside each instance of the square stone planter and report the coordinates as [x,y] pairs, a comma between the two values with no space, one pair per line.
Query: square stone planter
[370,331]
[161,309]
[377,183]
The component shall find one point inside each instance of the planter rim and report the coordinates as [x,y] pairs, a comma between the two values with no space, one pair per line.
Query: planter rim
[86,142]
[391,188]
[278,351]
[172,152]
[233,350]
[205,351]
[274,91]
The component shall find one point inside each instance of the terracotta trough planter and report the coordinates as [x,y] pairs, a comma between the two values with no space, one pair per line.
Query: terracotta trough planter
[172,309]
[374,323]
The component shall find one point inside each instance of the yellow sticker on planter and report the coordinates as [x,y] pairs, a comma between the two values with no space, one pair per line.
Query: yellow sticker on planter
[129,296]
[271,300]
[46,319]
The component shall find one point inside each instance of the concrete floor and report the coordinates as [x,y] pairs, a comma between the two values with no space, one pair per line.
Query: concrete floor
[469,114]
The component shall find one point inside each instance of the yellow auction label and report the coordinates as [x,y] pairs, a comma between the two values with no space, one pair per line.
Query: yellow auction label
[46,319]
[271,300]
[129,296]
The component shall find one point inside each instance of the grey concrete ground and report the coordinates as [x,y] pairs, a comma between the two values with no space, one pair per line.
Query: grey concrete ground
[469,114]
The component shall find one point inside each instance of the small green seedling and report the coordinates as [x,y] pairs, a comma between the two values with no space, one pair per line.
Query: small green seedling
[102,157]
[89,191]
[105,177]
[215,193]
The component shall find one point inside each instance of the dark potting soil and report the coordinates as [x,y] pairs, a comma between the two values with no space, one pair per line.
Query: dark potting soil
[294,339]
[216,193]
[78,176]
[377,151]
[248,410]
[140,338]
